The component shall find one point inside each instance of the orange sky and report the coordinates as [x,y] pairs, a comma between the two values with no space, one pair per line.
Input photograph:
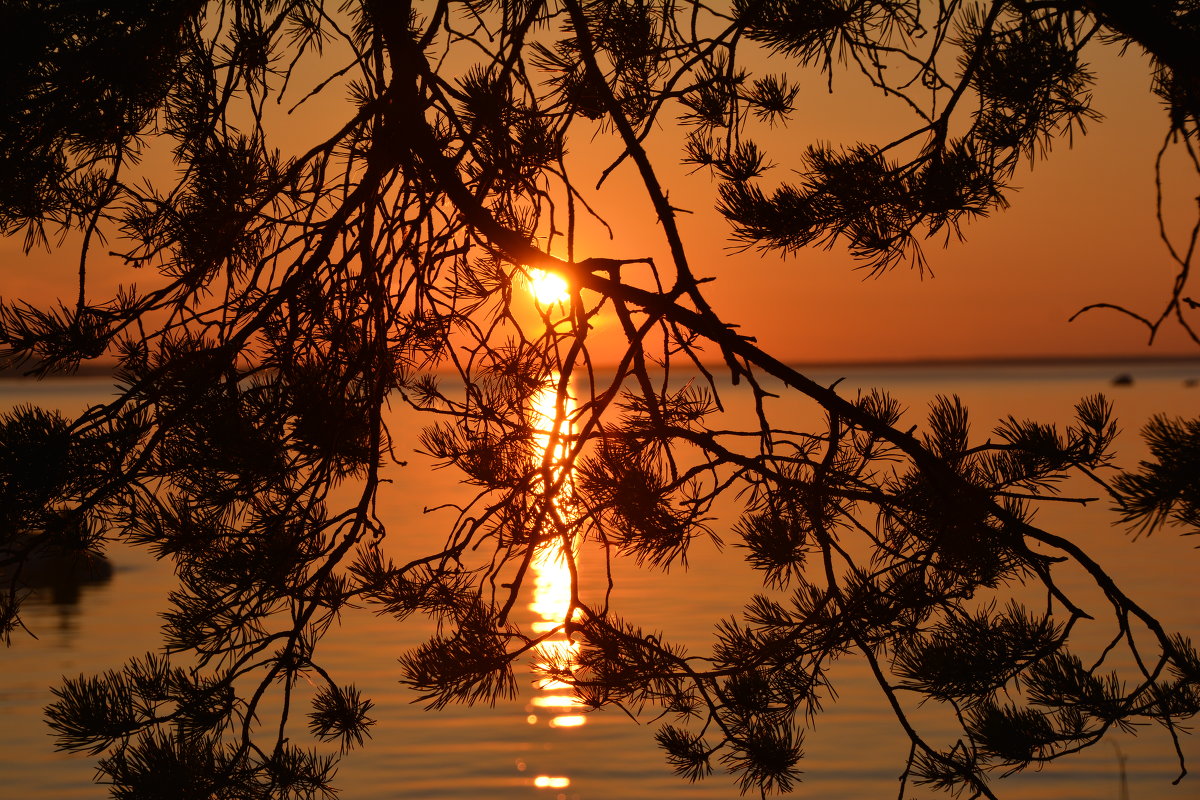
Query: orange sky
[1081,230]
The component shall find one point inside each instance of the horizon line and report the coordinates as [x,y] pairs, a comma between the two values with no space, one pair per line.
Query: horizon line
[100,369]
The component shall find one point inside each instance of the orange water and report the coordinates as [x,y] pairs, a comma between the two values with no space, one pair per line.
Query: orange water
[516,749]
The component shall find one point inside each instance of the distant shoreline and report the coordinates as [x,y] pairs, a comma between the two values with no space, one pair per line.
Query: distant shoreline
[1002,361]
[106,370]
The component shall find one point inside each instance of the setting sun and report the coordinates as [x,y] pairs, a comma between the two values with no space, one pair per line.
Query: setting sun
[547,288]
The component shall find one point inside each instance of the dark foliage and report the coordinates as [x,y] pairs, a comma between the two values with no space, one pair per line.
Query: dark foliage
[289,297]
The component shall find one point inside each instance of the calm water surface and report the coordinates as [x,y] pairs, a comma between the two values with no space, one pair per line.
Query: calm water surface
[539,747]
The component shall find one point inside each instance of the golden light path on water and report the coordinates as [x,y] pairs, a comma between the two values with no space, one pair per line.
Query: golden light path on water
[553,703]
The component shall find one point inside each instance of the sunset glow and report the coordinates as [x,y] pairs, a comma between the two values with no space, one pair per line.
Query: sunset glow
[548,288]
[552,579]
[568,721]
[873,329]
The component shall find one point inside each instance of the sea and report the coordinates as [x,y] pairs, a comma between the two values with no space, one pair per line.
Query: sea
[541,745]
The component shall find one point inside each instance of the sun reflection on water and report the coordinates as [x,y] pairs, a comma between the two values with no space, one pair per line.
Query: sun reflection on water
[552,580]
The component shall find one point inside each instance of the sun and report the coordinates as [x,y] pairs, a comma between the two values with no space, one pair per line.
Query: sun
[548,288]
